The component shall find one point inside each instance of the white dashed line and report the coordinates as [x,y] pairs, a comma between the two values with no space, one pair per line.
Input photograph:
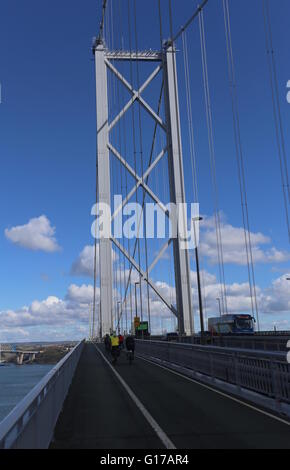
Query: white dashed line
[160,433]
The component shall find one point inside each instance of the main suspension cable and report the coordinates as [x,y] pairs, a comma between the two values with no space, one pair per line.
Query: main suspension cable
[102,23]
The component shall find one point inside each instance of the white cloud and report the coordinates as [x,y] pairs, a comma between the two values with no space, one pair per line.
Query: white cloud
[84,264]
[37,234]
[68,318]
[81,294]
[50,319]
[52,311]
[276,298]
[233,240]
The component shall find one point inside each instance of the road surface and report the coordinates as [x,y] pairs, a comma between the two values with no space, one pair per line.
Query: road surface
[156,409]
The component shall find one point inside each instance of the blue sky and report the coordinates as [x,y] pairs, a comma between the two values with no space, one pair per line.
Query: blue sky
[48,148]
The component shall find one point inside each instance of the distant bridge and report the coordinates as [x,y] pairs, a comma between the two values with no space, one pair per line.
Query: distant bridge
[20,353]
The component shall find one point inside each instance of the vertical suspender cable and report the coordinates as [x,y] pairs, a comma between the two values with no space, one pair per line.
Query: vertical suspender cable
[134,147]
[240,162]
[142,167]
[191,135]
[277,111]
[146,182]
[114,101]
[189,118]
[213,164]
[126,189]
[121,255]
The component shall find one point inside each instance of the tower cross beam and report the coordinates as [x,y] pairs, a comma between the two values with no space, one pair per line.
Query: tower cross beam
[145,276]
[138,184]
[134,92]
[136,95]
[139,180]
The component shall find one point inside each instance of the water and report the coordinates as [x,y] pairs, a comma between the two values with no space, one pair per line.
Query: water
[16,382]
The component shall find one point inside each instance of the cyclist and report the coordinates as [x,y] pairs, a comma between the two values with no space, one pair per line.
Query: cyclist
[130,344]
[115,347]
[121,341]
[107,343]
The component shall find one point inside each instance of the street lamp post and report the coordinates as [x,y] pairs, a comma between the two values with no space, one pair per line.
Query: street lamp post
[219,302]
[118,303]
[136,313]
[198,219]
[90,322]
[100,321]
[136,284]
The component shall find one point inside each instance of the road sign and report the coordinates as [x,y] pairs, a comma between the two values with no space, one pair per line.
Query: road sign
[143,326]
[136,322]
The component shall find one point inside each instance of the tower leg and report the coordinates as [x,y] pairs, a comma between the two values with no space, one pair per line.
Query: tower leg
[177,191]
[104,192]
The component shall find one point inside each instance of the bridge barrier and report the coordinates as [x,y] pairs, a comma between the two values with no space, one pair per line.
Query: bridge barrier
[30,425]
[264,341]
[266,373]
[261,342]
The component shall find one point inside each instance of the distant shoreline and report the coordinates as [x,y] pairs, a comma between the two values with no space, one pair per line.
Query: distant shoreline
[48,354]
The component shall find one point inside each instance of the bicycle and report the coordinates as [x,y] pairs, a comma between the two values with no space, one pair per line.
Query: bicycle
[115,351]
[130,356]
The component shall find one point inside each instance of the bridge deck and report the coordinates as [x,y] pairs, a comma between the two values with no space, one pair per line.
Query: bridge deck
[98,412]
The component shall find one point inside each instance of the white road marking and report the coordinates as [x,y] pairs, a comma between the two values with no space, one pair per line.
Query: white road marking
[269,415]
[160,433]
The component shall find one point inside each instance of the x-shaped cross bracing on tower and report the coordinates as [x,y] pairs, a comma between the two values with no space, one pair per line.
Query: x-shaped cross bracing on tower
[167,64]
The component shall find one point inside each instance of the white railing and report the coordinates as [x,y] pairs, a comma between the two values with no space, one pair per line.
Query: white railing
[30,425]
[266,373]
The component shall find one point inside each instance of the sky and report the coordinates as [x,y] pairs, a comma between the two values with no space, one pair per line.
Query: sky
[48,159]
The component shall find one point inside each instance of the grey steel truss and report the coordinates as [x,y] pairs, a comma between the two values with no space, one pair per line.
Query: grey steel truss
[167,64]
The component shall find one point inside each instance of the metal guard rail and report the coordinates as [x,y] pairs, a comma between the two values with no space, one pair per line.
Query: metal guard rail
[265,341]
[266,373]
[30,425]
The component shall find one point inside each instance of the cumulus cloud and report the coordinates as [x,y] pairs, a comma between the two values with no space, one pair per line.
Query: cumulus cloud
[233,240]
[276,298]
[68,318]
[52,311]
[81,294]
[84,264]
[37,235]
[273,301]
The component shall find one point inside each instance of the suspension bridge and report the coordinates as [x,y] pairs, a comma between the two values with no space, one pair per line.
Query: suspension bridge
[231,392]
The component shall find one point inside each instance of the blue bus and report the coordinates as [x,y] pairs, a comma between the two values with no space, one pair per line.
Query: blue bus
[232,325]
